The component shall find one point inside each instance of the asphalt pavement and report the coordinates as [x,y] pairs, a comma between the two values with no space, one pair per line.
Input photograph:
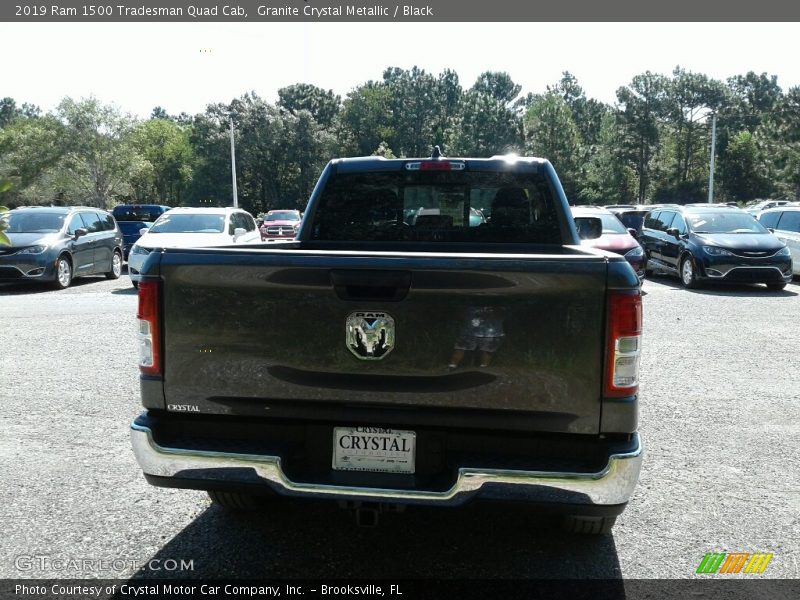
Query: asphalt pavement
[720,420]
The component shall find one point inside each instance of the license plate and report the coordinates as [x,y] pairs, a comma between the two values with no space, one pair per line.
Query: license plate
[374,449]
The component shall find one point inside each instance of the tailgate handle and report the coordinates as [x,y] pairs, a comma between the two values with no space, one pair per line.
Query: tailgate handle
[363,284]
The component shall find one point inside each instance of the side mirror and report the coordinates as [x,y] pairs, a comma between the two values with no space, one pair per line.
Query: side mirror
[589,228]
[238,232]
[673,231]
[771,229]
[144,230]
[633,232]
[80,232]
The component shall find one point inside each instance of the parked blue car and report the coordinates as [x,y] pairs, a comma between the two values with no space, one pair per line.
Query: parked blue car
[132,218]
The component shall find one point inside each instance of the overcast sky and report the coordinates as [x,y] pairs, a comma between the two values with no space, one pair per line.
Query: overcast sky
[184,66]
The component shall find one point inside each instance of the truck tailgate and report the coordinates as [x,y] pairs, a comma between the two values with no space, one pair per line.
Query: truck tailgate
[519,334]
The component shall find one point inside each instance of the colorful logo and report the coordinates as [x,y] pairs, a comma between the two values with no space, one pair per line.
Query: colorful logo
[734,562]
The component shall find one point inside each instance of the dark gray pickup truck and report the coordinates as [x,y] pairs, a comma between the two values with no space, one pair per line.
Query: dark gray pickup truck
[434,335]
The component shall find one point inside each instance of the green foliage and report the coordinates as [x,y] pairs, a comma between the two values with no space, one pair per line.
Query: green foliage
[9,111]
[323,105]
[608,178]
[4,241]
[100,160]
[366,119]
[780,138]
[485,126]
[689,97]
[642,104]
[30,150]
[420,106]
[743,170]
[384,151]
[653,144]
[550,132]
[497,85]
[168,160]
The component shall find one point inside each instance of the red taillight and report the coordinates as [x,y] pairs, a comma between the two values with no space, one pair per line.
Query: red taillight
[623,343]
[149,334]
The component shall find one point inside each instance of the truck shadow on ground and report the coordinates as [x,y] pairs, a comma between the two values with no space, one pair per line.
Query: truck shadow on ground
[319,540]
[131,291]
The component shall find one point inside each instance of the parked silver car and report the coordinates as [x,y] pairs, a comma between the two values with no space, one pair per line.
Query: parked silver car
[784,223]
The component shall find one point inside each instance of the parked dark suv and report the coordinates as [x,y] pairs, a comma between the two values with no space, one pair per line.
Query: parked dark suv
[56,244]
[714,243]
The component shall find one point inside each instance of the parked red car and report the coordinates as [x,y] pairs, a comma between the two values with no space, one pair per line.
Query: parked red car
[280,225]
[615,236]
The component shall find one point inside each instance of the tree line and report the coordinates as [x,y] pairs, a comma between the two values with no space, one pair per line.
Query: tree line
[651,145]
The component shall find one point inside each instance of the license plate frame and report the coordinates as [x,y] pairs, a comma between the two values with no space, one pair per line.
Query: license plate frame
[392,451]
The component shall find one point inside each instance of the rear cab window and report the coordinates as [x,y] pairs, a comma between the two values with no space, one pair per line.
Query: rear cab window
[437,206]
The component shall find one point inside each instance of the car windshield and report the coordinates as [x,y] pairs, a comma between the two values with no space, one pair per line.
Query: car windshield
[724,222]
[33,222]
[190,223]
[283,215]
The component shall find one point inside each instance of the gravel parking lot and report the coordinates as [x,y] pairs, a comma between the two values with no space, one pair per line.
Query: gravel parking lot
[720,421]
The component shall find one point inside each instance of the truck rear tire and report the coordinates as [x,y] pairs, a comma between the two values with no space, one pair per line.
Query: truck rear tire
[235,501]
[588,525]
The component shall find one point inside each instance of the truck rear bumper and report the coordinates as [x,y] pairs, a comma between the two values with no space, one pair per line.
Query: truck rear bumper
[205,469]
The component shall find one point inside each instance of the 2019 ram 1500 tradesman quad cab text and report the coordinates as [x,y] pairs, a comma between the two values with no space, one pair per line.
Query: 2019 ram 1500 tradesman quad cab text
[413,354]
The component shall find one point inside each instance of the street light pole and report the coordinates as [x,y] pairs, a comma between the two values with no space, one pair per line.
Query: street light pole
[713,152]
[233,168]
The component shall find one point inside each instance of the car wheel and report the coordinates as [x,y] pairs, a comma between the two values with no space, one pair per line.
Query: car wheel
[135,284]
[688,275]
[776,287]
[588,525]
[236,501]
[63,273]
[116,266]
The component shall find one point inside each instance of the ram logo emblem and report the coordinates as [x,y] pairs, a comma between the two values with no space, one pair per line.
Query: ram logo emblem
[370,335]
